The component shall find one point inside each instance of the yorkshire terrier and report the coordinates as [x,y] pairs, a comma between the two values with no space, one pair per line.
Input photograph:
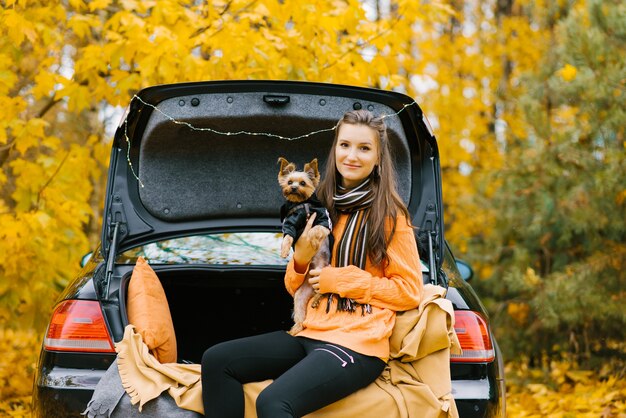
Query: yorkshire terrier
[298,188]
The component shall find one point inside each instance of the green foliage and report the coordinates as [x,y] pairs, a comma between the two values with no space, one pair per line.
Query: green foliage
[561,231]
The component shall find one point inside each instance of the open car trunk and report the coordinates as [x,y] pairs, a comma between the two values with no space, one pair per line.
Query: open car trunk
[201,158]
[209,306]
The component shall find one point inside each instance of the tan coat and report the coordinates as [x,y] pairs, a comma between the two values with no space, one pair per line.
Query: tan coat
[415,383]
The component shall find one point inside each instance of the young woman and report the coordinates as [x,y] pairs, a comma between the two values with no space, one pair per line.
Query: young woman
[375,271]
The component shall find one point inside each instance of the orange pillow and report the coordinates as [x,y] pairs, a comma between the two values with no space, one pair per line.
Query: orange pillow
[149,312]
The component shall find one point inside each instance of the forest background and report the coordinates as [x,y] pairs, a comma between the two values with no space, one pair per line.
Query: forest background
[526,99]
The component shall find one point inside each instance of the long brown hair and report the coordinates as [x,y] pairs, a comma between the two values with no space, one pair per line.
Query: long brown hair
[387,202]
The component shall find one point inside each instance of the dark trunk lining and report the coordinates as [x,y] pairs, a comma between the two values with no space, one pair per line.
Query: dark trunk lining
[209,307]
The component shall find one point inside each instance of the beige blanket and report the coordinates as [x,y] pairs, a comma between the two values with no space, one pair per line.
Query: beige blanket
[415,383]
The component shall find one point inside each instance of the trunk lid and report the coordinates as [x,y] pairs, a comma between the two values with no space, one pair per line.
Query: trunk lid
[202,157]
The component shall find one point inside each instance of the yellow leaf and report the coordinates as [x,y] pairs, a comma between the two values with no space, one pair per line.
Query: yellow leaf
[262,10]
[538,388]
[79,97]
[397,80]
[519,312]
[30,136]
[7,77]
[139,6]
[18,27]
[44,84]
[129,83]
[568,72]
[531,278]
[379,65]
[82,25]
[26,142]
[77,4]
[579,376]
[98,4]
[130,4]
[276,41]
[51,142]
[7,81]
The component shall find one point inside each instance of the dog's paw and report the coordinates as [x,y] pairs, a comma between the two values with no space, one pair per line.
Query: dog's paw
[296,328]
[317,235]
[316,300]
[286,246]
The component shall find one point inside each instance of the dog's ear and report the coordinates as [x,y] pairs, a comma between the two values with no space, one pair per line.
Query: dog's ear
[285,167]
[311,170]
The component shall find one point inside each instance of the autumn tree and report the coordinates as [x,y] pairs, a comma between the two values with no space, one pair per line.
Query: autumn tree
[52,161]
[65,65]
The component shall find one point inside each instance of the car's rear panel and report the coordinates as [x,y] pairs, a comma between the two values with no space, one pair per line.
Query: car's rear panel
[65,381]
[477,386]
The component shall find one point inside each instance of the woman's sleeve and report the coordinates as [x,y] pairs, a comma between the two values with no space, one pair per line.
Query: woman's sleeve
[399,289]
[293,279]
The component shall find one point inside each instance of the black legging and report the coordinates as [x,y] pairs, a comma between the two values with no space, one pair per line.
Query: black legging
[308,375]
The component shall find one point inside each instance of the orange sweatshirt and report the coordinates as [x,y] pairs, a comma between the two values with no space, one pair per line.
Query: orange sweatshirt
[398,287]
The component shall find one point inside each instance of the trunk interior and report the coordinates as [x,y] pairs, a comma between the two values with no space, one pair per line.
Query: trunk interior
[212,305]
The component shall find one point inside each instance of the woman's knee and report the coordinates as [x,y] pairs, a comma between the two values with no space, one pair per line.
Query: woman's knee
[216,356]
[269,405]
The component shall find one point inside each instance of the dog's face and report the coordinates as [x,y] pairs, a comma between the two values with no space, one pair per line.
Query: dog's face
[298,186]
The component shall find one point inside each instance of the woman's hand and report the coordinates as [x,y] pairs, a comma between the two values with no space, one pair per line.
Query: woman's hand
[303,251]
[314,279]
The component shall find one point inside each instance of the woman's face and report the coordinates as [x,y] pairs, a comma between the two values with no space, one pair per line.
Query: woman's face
[356,153]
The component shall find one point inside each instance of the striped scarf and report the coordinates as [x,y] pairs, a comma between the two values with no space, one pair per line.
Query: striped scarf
[356,202]
[351,248]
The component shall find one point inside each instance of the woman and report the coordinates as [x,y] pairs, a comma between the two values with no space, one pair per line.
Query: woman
[375,272]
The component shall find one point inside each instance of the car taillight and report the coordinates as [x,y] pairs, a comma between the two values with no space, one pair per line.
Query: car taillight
[78,325]
[473,334]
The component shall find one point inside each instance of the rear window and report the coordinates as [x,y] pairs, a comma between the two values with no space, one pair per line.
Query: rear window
[241,248]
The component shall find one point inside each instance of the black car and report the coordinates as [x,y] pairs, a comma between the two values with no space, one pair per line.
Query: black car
[192,188]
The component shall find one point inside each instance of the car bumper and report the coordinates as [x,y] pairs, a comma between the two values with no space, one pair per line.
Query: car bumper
[479,398]
[64,392]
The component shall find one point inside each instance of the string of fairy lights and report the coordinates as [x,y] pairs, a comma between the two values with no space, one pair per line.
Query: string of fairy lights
[229,133]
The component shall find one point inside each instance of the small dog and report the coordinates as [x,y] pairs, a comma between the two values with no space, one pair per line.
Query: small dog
[298,188]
